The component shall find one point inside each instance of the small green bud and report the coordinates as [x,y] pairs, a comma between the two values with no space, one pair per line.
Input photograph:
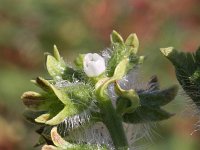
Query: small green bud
[56,54]
[133,42]
[116,38]
[55,68]
[79,61]
[33,99]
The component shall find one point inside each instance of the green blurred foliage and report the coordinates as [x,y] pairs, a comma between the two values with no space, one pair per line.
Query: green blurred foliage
[28,28]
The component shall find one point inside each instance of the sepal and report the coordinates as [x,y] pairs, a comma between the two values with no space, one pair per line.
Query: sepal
[58,103]
[128,100]
[61,144]
[55,65]
[59,70]
[133,42]
[116,38]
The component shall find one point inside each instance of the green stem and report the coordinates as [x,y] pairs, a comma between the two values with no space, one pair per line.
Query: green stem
[113,123]
[110,118]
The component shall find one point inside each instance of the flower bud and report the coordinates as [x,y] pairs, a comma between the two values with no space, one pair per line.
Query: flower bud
[94,64]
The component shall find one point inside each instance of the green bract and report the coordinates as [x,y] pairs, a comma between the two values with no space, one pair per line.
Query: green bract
[76,99]
[58,103]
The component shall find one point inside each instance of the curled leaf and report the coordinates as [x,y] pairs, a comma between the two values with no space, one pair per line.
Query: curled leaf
[58,140]
[128,100]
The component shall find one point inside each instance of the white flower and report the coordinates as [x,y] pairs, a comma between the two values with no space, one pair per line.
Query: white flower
[94,64]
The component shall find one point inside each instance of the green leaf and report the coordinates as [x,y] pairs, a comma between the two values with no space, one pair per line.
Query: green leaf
[186,67]
[181,60]
[158,98]
[153,84]
[146,114]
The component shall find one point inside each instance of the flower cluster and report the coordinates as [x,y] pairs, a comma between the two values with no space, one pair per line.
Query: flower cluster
[75,109]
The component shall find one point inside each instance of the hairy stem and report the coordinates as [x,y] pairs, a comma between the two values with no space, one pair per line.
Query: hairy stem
[113,123]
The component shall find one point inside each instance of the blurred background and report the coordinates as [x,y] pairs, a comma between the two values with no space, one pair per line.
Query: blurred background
[28,28]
